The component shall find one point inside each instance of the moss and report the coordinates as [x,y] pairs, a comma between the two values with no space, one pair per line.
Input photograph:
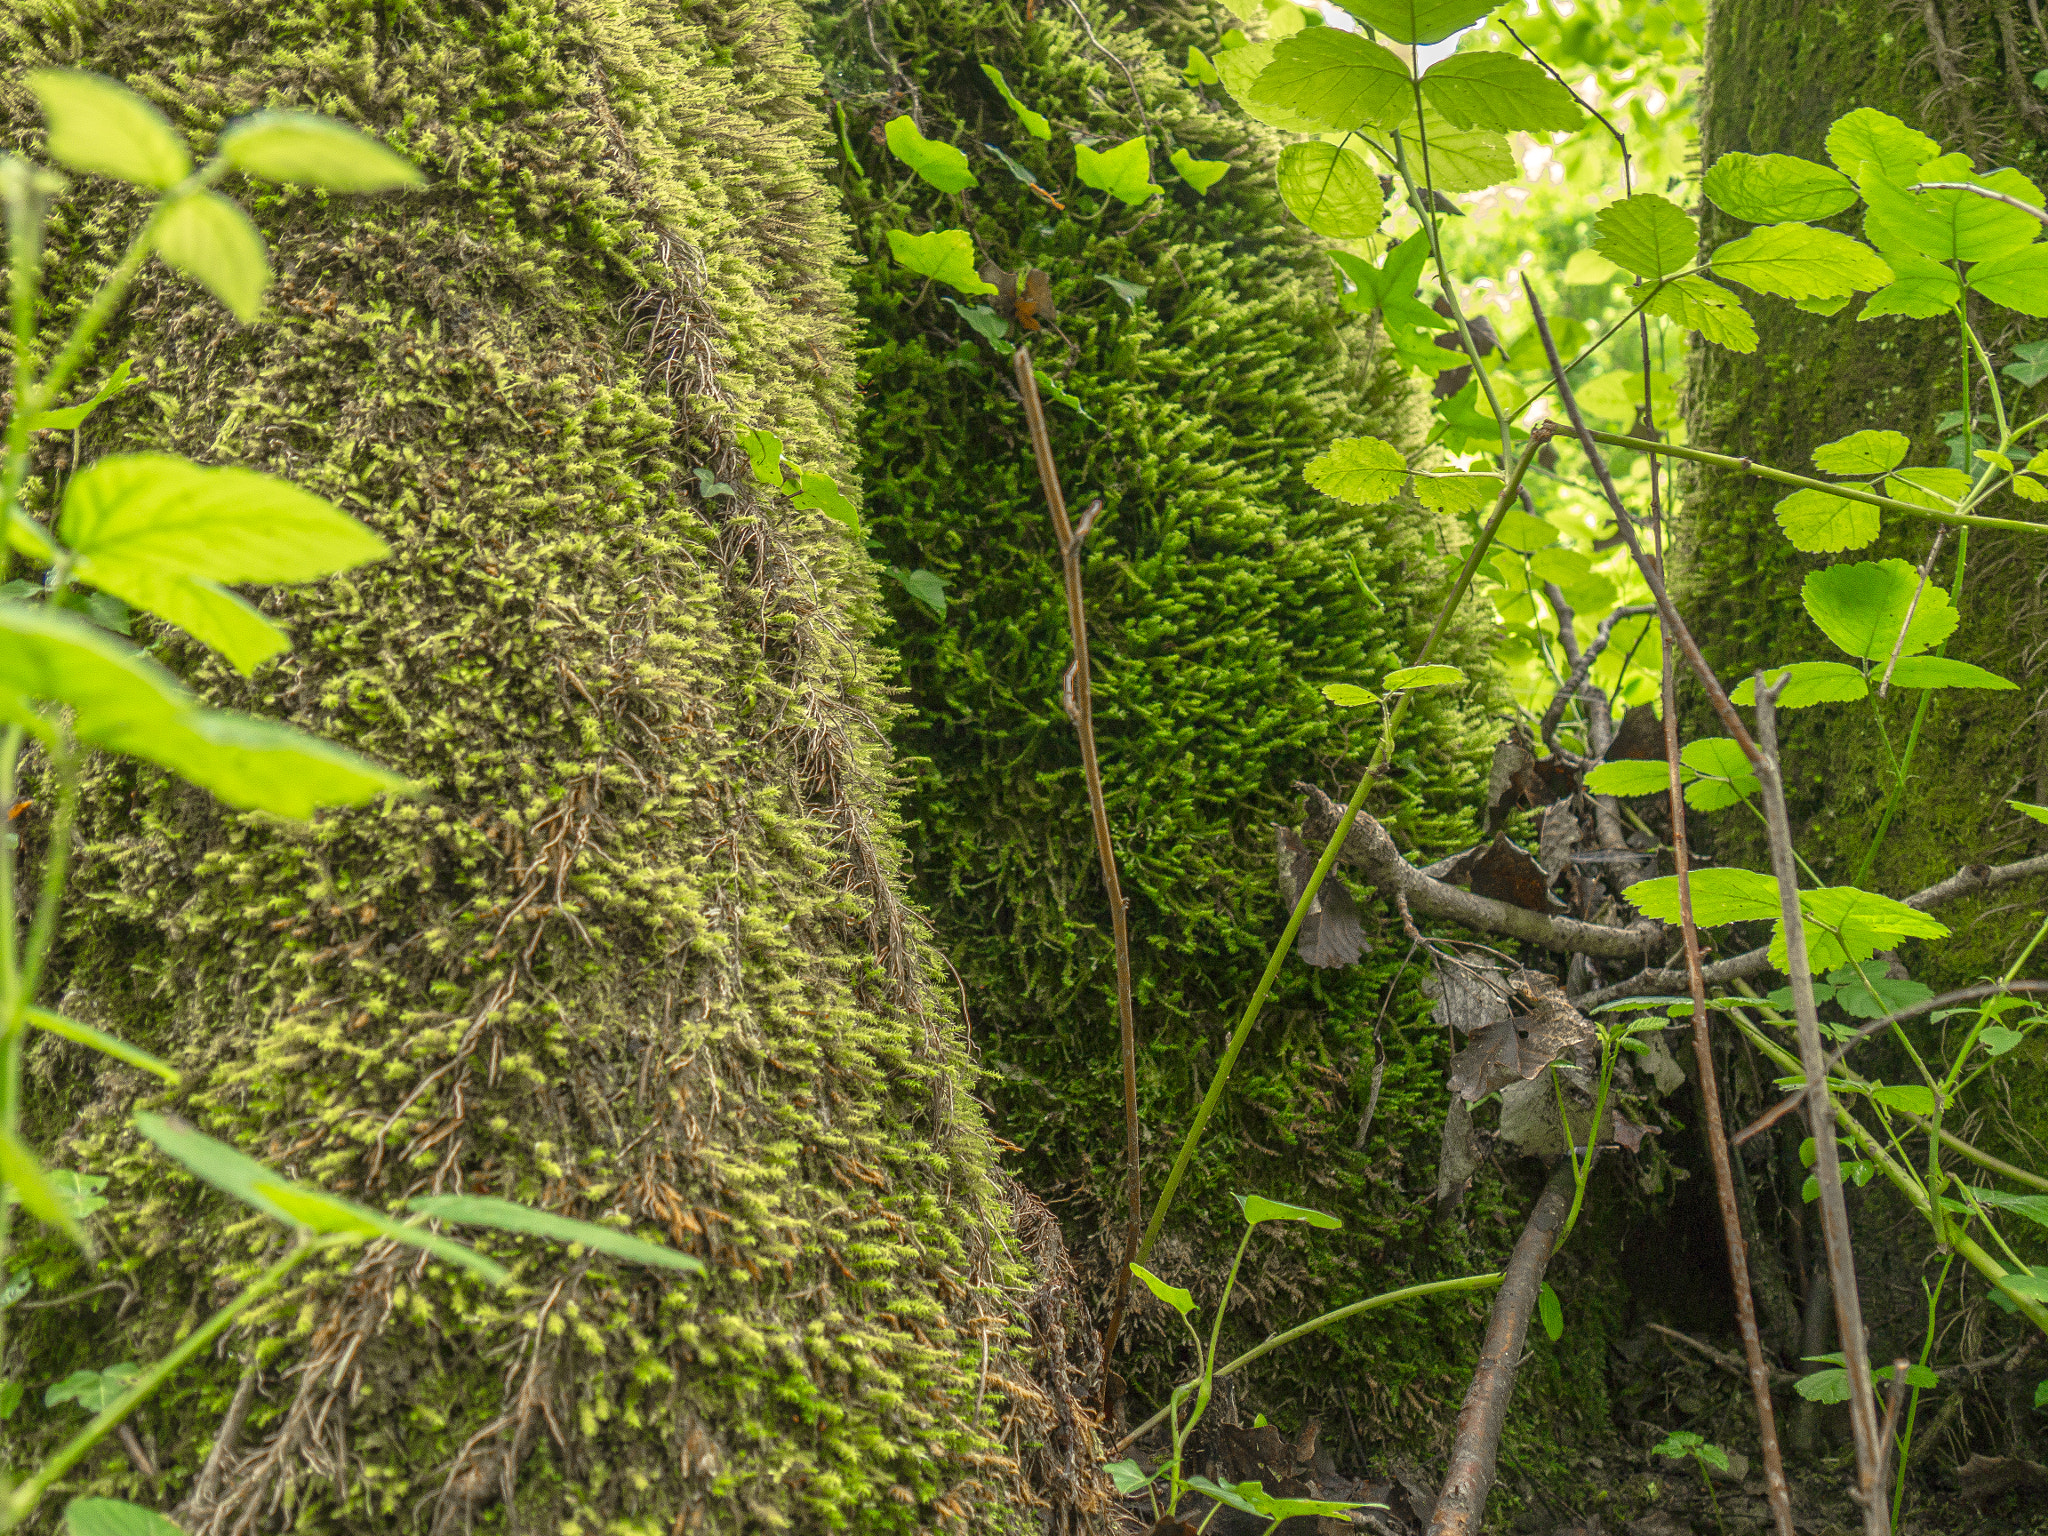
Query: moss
[637,950]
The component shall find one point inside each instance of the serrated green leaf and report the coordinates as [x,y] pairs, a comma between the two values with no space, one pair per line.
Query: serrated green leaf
[1034,122]
[1812,682]
[1919,290]
[1551,1311]
[1125,172]
[1868,135]
[1699,304]
[1718,896]
[1630,778]
[1457,159]
[1863,453]
[1434,675]
[1456,493]
[1936,487]
[2017,280]
[1944,672]
[1349,695]
[1724,774]
[1822,524]
[1204,174]
[1331,189]
[1797,261]
[1830,1386]
[1500,92]
[1862,606]
[525,1221]
[209,239]
[1648,235]
[106,129]
[1361,470]
[114,1517]
[1948,225]
[1181,1301]
[942,165]
[1239,69]
[1419,21]
[1774,189]
[1257,1208]
[1845,924]
[2031,364]
[1327,80]
[2038,812]
[1863,996]
[1822,306]
[1524,534]
[945,255]
[316,151]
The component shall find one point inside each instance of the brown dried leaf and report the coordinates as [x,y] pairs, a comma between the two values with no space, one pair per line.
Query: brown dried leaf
[1626,1133]
[1458,1156]
[1559,837]
[1025,297]
[1640,738]
[1490,1063]
[1511,782]
[1330,934]
[1507,873]
[1553,1026]
[1469,995]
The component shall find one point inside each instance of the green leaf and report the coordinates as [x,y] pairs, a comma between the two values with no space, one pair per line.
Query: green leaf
[985,322]
[1258,1208]
[1172,1295]
[1868,135]
[99,1040]
[1204,174]
[1349,695]
[112,689]
[1326,80]
[1501,92]
[2031,366]
[1821,306]
[71,417]
[79,1193]
[1679,1444]
[1812,682]
[1199,71]
[1797,261]
[2018,280]
[1361,470]
[1774,189]
[821,493]
[1844,924]
[1947,225]
[1034,122]
[1435,675]
[1130,293]
[1863,453]
[1943,672]
[1457,493]
[1460,159]
[926,587]
[1718,896]
[1914,1098]
[303,1205]
[1824,1386]
[1222,1493]
[1997,1039]
[114,1517]
[1331,189]
[318,151]
[2033,1207]
[1700,304]
[106,129]
[942,165]
[764,454]
[525,1221]
[1863,996]
[1128,1476]
[1240,70]
[25,1180]
[1551,1310]
[1648,235]
[1630,778]
[1916,1376]
[1920,289]
[946,255]
[1822,524]
[1862,606]
[1713,1456]
[2038,812]
[207,238]
[93,1390]
[1936,487]
[258,764]
[1125,172]
[1524,534]
[1419,21]
[1725,775]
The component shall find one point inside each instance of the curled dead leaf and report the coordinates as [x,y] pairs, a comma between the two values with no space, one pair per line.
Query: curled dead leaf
[1331,933]
[1505,872]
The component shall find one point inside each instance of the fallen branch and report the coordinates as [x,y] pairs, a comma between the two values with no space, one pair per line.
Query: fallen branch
[1372,851]
[1734,1365]
[1461,1507]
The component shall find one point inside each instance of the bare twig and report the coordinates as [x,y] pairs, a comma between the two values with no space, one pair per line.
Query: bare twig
[1370,849]
[1080,706]
[1734,1365]
[1461,1507]
[1968,186]
[1820,1116]
[1884,683]
[1582,665]
[1778,1490]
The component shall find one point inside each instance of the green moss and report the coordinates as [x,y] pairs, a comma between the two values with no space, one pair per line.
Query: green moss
[638,948]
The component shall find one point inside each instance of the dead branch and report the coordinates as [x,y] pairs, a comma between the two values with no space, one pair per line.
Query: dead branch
[1372,851]
[1581,664]
[1734,1365]
[1461,1507]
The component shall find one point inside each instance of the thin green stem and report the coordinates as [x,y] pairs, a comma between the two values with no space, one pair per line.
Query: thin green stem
[1221,1078]
[56,870]
[1913,1401]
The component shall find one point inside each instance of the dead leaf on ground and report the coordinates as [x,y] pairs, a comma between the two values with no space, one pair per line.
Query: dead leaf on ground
[1470,994]
[1330,934]
[1640,738]
[1458,1156]
[1490,1062]
[1029,303]
[1627,1134]
[1507,873]
[1559,837]
[1554,1027]
[1511,781]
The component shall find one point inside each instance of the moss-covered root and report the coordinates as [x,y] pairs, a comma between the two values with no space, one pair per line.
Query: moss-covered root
[637,949]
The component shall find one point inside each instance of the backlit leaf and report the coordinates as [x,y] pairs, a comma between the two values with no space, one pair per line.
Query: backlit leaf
[99,1040]
[1725,775]
[1700,304]
[1648,235]
[209,239]
[1181,1301]
[258,764]
[1919,290]
[205,610]
[1204,174]
[1258,1208]
[943,165]
[1630,778]
[314,150]
[106,129]
[1820,523]
[1456,159]
[1867,135]
[1797,261]
[114,1517]
[1332,190]
[1457,493]
[2038,812]
[1551,1311]
[1936,487]
[1332,81]
[71,417]
[1349,695]
[1862,606]
[1125,172]
[1844,924]
[1034,122]
[1772,189]
[764,454]
[1435,675]
[946,255]
[1718,896]
[1240,70]
[1944,672]
[1524,534]
[820,493]
[1863,453]
[506,1216]
[1419,21]
[1949,225]
[2017,280]
[1811,682]
[1498,91]
[1361,470]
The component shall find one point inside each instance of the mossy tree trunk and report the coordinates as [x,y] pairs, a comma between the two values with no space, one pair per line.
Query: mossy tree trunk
[637,950]
[1776,76]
